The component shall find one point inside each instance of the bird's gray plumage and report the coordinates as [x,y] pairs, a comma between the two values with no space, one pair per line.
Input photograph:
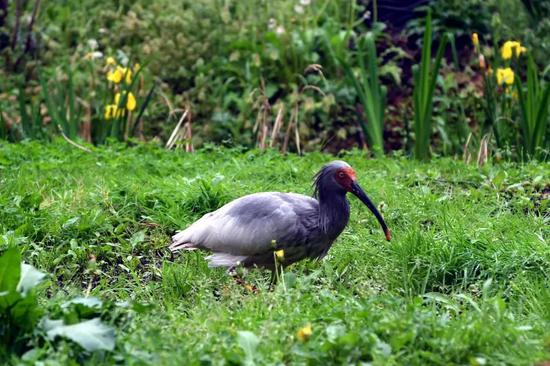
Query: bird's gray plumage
[247,230]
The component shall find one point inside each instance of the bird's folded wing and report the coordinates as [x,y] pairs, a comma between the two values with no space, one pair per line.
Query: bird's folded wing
[252,224]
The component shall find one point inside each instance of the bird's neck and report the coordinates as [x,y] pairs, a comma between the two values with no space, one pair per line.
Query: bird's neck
[333,214]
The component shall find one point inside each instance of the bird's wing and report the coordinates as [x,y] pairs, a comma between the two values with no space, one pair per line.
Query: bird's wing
[250,224]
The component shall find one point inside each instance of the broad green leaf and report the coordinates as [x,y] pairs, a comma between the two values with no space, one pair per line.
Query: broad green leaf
[49,324]
[90,302]
[10,269]
[335,331]
[25,311]
[30,277]
[92,335]
[137,238]
[249,342]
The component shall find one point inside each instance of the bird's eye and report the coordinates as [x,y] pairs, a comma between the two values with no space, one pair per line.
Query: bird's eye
[341,175]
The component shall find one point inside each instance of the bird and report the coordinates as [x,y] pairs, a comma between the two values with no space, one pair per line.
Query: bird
[270,228]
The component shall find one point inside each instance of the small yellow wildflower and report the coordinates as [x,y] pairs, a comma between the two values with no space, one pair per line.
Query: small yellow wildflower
[130,100]
[505,76]
[280,255]
[509,47]
[304,333]
[475,39]
[110,61]
[137,67]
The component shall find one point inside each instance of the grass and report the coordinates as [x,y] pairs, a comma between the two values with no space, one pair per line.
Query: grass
[463,282]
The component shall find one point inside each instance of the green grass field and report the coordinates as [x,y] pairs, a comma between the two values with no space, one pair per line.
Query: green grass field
[465,280]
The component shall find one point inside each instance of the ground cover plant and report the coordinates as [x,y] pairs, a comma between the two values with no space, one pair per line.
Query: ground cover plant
[304,75]
[464,280]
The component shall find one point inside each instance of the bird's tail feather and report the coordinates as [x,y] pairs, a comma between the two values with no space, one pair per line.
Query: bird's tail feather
[180,242]
[224,260]
[174,247]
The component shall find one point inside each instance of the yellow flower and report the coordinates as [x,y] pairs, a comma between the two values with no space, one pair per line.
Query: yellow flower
[475,39]
[120,73]
[130,101]
[128,74]
[137,67]
[110,61]
[280,255]
[304,333]
[509,47]
[115,75]
[505,76]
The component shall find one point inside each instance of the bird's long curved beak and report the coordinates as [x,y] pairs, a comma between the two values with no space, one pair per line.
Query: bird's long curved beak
[358,191]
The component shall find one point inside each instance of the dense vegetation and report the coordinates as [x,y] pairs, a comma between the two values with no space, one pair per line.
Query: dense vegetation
[292,74]
[464,280]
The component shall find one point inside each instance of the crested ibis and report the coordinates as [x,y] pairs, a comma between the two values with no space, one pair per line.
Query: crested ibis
[247,231]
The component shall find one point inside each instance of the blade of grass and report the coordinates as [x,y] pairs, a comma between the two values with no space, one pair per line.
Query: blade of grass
[425,80]
[368,89]
[143,107]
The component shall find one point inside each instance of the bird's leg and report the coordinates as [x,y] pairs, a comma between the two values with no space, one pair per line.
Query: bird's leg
[239,280]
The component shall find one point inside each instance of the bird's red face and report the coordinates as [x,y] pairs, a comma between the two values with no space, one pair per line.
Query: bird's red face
[345,177]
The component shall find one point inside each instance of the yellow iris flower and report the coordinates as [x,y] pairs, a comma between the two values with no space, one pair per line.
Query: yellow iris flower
[505,76]
[120,73]
[304,333]
[509,47]
[130,101]
[128,74]
[115,75]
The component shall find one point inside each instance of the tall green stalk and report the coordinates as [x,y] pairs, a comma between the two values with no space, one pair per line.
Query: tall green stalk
[29,111]
[372,95]
[61,103]
[534,110]
[424,85]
